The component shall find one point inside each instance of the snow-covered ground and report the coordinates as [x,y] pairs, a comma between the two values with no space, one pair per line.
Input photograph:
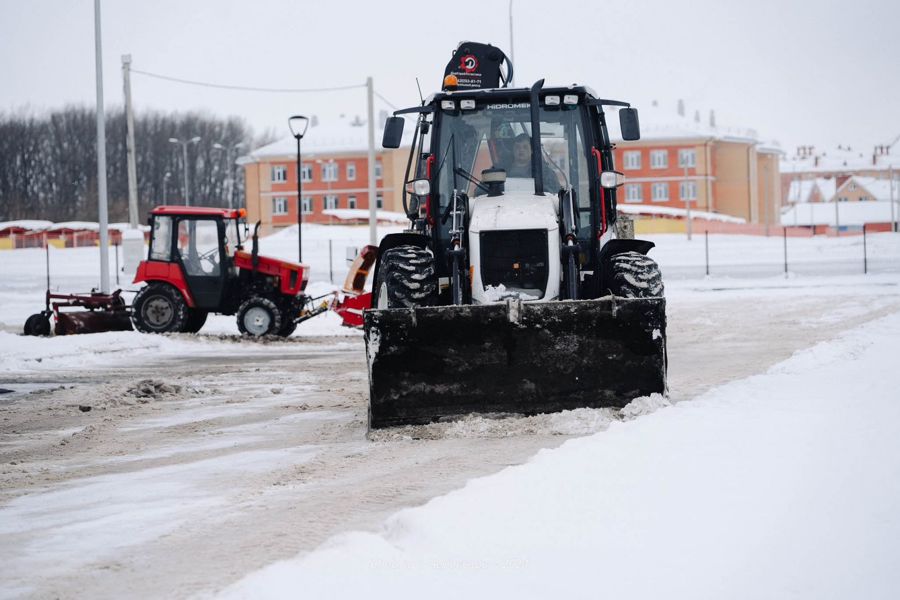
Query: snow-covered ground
[174,466]
[785,484]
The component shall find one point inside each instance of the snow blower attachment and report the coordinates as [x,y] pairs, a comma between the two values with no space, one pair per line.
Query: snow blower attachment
[510,292]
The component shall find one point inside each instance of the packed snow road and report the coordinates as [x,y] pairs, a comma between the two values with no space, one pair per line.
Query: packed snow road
[172,466]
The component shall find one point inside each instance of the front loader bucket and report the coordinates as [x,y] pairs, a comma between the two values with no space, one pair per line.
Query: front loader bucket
[519,357]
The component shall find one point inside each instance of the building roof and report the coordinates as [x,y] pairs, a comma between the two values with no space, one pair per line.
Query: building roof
[802,190]
[26,224]
[337,136]
[840,159]
[879,189]
[664,123]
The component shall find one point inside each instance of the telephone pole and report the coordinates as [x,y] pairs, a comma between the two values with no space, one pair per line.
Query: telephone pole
[129,144]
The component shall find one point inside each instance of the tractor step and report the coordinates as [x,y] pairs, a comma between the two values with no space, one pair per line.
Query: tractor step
[430,363]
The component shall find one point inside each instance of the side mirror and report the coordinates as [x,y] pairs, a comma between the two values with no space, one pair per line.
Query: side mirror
[611,179]
[418,187]
[628,123]
[393,132]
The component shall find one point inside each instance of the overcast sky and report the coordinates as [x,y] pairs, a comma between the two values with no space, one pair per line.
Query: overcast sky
[818,72]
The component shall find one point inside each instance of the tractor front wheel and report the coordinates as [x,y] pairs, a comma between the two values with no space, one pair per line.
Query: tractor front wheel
[259,316]
[406,278]
[633,275]
[159,308]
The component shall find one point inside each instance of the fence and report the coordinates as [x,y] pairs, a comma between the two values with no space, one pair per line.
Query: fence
[787,251]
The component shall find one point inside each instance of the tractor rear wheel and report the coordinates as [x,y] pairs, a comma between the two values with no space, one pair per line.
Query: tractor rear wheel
[406,278]
[37,324]
[159,308]
[196,319]
[633,275]
[259,316]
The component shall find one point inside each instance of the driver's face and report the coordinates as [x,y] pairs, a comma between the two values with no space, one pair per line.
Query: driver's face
[522,151]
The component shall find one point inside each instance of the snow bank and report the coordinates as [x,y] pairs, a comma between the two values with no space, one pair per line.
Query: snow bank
[783,484]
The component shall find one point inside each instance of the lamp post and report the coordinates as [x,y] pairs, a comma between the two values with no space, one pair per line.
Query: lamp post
[229,161]
[184,146]
[298,125]
[166,178]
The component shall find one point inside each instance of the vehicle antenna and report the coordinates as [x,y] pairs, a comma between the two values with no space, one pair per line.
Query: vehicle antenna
[421,97]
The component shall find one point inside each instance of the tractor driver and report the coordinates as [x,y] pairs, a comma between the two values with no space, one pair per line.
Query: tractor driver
[521,163]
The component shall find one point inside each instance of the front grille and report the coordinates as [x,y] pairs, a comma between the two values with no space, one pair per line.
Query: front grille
[515,259]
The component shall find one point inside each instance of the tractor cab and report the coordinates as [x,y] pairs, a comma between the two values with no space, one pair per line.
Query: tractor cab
[194,248]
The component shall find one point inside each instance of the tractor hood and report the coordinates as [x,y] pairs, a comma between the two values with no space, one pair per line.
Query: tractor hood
[513,210]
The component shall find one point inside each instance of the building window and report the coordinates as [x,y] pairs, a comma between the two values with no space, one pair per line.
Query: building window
[378,169]
[632,159]
[306,173]
[307,205]
[279,206]
[687,158]
[330,202]
[659,159]
[852,186]
[351,201]
[379,201]
[279,174]
[843,199]
[660,192]
[688,190]
[330,171]
[351,171]
[633,192]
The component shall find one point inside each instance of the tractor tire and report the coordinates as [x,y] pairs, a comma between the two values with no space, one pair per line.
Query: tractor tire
[159,308]
[287,329]
[195,321]
[406,278]
[38,325]
[259,316]
[633,275]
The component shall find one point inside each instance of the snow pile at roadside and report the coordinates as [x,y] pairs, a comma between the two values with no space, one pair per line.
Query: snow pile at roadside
[783,484]
[25,353]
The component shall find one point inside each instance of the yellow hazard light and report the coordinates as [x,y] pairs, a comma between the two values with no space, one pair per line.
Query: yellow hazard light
[242,212]
[451,81]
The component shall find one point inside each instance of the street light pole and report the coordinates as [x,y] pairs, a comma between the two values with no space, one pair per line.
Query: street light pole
[103,209]
[184,145]
[298,125]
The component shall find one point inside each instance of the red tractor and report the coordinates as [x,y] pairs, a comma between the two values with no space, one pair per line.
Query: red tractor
[197,265]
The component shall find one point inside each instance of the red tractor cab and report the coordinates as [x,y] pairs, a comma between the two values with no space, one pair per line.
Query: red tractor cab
[197,265]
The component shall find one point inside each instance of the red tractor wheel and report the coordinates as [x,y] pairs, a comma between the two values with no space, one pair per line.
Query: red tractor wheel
[259,316]
[159,308]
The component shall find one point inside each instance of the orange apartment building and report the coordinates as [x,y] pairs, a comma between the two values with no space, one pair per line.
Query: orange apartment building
[681,160]
[334,177]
